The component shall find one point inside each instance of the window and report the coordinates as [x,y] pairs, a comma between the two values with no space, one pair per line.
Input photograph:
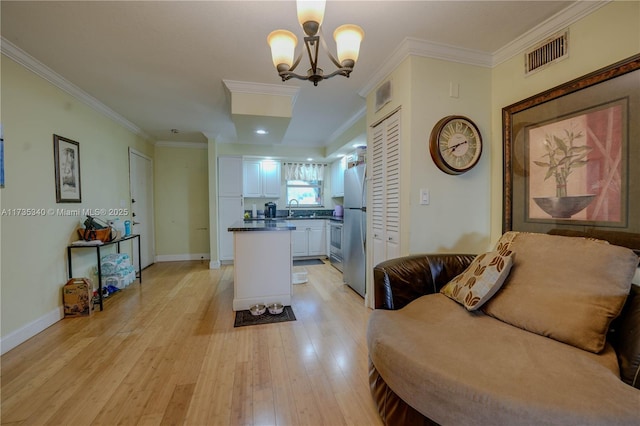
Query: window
[308,193]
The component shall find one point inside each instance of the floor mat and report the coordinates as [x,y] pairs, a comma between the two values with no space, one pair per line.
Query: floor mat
[307,262]
[245,318]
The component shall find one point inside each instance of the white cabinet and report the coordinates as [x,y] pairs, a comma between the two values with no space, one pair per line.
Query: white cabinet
[299,241]
[230,202]
[261,178]
[385,184]
[229,177]
[337,177]
[317,240]
[309,238]
[271,178]
[252,180]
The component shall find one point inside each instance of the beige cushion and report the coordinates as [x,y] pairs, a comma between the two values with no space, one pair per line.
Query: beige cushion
[467,368]
[481,280]
[565,288]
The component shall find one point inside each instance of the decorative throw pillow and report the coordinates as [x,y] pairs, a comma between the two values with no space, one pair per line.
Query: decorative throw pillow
[481,280]
[565,288]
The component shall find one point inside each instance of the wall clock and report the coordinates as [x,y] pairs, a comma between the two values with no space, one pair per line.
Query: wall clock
[455,144]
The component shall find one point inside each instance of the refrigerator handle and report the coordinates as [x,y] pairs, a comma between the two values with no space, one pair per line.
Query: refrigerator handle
[363,190]
[363,232]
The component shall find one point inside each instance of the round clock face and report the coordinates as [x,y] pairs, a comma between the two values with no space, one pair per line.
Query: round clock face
[455,144]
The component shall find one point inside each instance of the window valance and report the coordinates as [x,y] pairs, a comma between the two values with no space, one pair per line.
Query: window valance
[304,171]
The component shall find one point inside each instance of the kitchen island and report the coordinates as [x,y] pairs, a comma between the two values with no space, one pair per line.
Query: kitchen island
[263,264]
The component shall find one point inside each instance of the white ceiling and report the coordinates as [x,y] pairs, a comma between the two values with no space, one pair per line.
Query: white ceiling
[160,64]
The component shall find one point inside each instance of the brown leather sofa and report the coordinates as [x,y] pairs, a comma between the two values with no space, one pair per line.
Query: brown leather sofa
[398,282]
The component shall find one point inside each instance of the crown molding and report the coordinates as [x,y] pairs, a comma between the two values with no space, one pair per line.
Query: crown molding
[415,47]
[13,52]
[411,46]
[557,22]
[174,144]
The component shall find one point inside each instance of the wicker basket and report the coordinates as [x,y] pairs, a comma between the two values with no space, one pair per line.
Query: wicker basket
[104,235]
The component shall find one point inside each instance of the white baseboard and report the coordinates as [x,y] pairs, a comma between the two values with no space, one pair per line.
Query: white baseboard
[214,264]
[179,257]
[23,334]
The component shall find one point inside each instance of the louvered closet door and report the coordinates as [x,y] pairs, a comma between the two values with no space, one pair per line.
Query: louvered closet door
[377,198]
[392,193]
[385,183]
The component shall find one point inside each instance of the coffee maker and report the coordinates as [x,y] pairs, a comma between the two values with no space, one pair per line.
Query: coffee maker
[270,210]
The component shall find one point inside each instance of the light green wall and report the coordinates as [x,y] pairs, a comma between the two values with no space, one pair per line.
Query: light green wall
[610,34]
[465,212]
[181,194]
[457,218]
[33,264]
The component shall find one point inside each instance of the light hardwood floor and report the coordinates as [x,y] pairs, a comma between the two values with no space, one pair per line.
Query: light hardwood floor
[166,352]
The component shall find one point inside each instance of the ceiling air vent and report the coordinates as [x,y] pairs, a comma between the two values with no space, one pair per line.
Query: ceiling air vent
[551,50]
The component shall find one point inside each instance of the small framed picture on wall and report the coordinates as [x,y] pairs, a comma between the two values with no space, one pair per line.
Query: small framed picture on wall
[1,157]
[66,154]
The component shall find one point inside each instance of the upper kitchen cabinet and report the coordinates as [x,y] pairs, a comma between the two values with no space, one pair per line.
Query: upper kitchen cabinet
[261,178]
[337,177]
[230,177]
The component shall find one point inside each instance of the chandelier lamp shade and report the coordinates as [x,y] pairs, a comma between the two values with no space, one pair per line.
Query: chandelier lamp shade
[310,15]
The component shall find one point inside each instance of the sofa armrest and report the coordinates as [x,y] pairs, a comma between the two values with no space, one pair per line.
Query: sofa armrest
[399,281]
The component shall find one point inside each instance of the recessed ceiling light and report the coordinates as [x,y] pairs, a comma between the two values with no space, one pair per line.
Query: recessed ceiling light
[262,132]
[340,155]
[309,159]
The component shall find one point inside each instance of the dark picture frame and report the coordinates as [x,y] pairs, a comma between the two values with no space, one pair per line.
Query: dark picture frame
[1,157]
[569,154]
[66,154]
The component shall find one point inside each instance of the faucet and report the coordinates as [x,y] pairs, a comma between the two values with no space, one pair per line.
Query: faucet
[297,205]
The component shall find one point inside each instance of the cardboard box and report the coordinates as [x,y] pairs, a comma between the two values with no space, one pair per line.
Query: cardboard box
[76,296]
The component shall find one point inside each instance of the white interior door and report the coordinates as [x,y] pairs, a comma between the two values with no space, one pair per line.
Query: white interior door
[141,184]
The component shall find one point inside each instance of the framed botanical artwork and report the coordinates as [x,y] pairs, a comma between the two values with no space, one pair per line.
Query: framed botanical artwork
[66,154]
[571,154]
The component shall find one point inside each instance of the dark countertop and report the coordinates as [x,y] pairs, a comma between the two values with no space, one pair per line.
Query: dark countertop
[262,225]
[294,218]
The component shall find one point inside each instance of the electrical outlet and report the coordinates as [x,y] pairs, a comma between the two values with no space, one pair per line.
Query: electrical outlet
[424,197]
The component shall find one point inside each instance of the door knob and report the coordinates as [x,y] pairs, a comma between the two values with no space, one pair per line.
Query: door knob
[133,201]
[136,223]
[133,214]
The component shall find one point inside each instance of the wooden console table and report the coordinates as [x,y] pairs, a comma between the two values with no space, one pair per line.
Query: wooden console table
[98,257]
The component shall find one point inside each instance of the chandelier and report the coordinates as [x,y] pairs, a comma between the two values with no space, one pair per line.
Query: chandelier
[310,14]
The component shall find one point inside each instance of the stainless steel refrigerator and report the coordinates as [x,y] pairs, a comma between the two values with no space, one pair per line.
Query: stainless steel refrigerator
[355,228]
